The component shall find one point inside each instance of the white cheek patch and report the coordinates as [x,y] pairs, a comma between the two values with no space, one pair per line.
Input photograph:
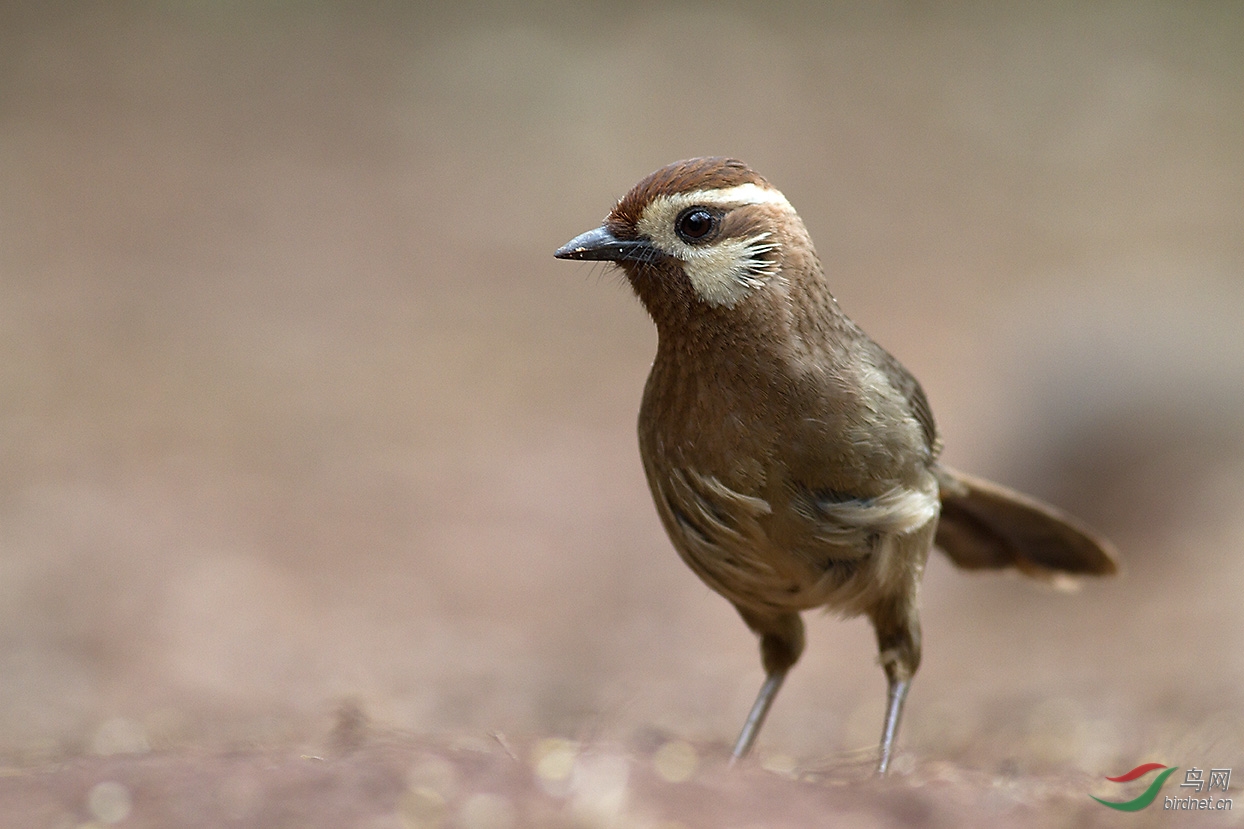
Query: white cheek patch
[724,272]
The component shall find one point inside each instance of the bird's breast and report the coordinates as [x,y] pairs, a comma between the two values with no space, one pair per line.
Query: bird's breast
[718,458]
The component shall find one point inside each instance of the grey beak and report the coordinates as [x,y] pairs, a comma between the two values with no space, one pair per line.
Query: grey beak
[600,244]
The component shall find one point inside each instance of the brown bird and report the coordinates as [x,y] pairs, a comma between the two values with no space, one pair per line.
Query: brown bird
[793,461]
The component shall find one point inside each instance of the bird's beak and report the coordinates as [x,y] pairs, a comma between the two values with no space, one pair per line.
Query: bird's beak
[600,244]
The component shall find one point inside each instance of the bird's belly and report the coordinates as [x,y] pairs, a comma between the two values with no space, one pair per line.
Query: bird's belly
[758,575]
[727,538]
[768,556]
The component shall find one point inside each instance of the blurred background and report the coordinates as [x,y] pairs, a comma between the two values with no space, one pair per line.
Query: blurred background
[299,412]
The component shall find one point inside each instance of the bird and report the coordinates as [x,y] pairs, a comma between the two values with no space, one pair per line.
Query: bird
[794,462]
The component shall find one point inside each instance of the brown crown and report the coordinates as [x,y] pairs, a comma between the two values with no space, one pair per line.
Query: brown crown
[687,176]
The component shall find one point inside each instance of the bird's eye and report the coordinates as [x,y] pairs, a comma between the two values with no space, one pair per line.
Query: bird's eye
[694,224]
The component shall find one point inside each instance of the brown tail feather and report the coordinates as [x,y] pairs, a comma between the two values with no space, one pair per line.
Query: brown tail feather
[987,526]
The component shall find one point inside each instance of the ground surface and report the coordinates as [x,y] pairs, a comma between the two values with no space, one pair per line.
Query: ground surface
[319,497]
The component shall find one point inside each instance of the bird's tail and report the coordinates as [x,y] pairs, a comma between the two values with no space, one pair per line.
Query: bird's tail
[987,526]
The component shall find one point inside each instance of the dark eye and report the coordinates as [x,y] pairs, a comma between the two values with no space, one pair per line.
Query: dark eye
[694,224]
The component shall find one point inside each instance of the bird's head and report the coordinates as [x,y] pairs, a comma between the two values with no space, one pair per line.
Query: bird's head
[701,237]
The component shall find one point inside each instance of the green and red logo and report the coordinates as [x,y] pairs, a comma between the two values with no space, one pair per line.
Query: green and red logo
[1147,796]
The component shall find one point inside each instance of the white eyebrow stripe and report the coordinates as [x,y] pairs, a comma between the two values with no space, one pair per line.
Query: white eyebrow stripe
[740,194]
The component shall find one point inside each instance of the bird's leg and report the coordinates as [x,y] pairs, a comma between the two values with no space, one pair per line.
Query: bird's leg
[781,643]
[756,717]
[898,638]
[895,697]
